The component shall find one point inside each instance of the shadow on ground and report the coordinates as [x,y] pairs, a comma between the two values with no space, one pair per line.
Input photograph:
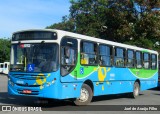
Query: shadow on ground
[30,101]
[156,89]
[49,103]
[112,97]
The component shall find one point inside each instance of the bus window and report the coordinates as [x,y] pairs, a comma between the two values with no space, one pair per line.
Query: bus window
[130,58]
[146,60]
[105,55]
[119,57]
[138,59]
[88,53]
[153,61]
[1,66]
[5,66]
[68,55]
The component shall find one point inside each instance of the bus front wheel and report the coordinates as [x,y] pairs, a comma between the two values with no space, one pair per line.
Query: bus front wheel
[85,96]
[136,90]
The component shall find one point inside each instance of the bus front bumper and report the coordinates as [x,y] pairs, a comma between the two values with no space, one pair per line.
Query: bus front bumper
[60,91]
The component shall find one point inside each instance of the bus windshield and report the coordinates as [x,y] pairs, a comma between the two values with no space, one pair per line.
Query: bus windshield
[34,57]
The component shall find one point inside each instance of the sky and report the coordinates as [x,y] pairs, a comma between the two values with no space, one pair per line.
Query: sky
[30,14]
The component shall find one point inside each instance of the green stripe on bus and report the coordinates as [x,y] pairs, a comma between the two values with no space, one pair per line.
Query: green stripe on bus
[143,73]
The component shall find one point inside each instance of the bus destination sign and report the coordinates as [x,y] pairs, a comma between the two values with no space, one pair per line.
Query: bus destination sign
[34,35]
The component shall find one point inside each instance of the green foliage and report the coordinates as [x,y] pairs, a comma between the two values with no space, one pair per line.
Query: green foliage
[115,20]
[5,50]
[67,24]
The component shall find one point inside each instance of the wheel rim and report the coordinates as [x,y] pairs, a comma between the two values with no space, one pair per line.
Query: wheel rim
[136,91]
[84,95]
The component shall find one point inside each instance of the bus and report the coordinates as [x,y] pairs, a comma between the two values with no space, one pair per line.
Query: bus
[6,67]
[55,64]
[1,67]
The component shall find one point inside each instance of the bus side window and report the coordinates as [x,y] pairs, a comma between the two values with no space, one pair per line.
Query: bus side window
[84,58]
[119,59]
[138,59]
[68,55]
[153,61]
[146,60]
[130,58]
[105,53]
[88,53]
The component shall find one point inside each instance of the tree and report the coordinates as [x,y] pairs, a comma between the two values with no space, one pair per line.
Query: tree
[127,21]
[4,50]
[67,24]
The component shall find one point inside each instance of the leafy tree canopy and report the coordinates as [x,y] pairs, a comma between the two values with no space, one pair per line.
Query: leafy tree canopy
[4,50]
[135,22]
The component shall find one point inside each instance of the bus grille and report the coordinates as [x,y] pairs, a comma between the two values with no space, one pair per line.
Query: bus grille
[28,76]
[24,85]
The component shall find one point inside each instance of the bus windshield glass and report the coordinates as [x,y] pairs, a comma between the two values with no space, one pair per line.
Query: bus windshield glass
[34,57]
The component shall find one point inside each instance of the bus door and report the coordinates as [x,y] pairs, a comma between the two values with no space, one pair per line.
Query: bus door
[69,54]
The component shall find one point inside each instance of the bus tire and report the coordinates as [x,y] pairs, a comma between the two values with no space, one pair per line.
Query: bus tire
[85,96]
[136,90]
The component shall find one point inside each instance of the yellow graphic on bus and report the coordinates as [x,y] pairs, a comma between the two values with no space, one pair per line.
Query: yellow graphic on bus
[40,79]
[102,73]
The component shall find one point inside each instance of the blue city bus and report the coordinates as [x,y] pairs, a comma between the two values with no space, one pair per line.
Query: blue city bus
[49,63]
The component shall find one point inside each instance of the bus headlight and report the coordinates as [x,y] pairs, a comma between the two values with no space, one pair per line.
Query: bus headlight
[53,81]
[48,84]
[10,82]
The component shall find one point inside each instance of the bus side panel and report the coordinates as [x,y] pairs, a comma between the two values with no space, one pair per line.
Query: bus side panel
[148,84]
[113,87]
[112,80]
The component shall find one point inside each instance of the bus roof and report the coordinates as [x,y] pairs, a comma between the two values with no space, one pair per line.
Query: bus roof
[84,37]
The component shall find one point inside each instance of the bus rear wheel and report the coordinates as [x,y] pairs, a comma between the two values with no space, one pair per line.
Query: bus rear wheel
[85,96]
[136,90]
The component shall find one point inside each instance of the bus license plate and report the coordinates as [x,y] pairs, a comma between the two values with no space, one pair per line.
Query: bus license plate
[27,91]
